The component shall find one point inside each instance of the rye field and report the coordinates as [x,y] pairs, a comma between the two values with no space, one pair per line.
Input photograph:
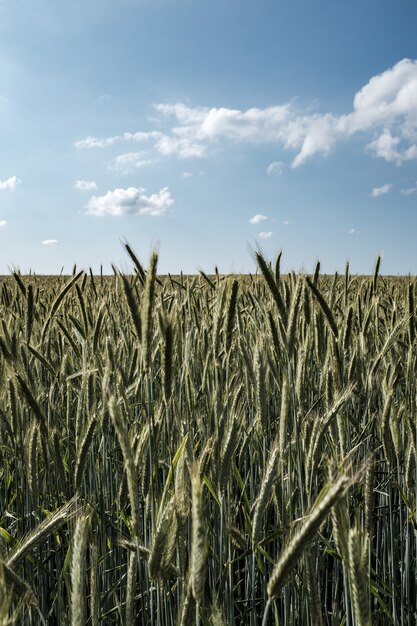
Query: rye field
[208,450]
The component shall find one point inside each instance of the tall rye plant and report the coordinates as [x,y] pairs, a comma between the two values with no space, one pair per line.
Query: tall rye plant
[208,450]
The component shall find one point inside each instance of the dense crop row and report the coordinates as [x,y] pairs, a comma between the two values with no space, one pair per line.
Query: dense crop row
[212,450]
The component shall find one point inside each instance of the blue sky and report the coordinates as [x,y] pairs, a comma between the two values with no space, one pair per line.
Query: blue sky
[208,129]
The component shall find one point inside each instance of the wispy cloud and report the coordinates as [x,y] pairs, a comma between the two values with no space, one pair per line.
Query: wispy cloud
[355,232]
[10,184]
[3,223]
[265,234]
[180,145]
[288,222]
[258,218]
[50,242]
[130,201]
[275,169]
[410,190]
[186,175]
[104,142]
[130,160]
[381,191]
[85,185]
[385,107]
[97,142]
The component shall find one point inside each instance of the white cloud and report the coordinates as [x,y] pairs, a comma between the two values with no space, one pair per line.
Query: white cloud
[128,161]
[276,167]
[255,125]
[10,184]
[385,146]
[3,222]
[388,148]
[316,134]
[141,136]
[130,201]
[95,142]
[380,191]
[182,146]
[265,234]
[385,108]
[258,218]
[185,115]
[85,185]
[410,190]
[388,100]
[105,142]
[352,231]
[50,242]
[200,126]
[391,93]
[288,222]
[186,175]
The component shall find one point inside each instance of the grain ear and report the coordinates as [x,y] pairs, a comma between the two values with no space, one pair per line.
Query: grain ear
[198,537]
[79,570]
[305,534]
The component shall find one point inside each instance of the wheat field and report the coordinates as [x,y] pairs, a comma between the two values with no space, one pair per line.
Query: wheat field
[211,450]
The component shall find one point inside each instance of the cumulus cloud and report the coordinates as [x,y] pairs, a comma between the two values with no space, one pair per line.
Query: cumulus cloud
[50,242]
[275,168]
[85,185]
[3,222]
[385,109]
[10,184]
[128,161]
[385,147]
[388,94]
[258,218]
[381,191]
[200,126]
[275,125]
[265,234]
[255,125]
[386,103]
[130,201]
[388,147]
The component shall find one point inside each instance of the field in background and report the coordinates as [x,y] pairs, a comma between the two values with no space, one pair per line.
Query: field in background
[207,449]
